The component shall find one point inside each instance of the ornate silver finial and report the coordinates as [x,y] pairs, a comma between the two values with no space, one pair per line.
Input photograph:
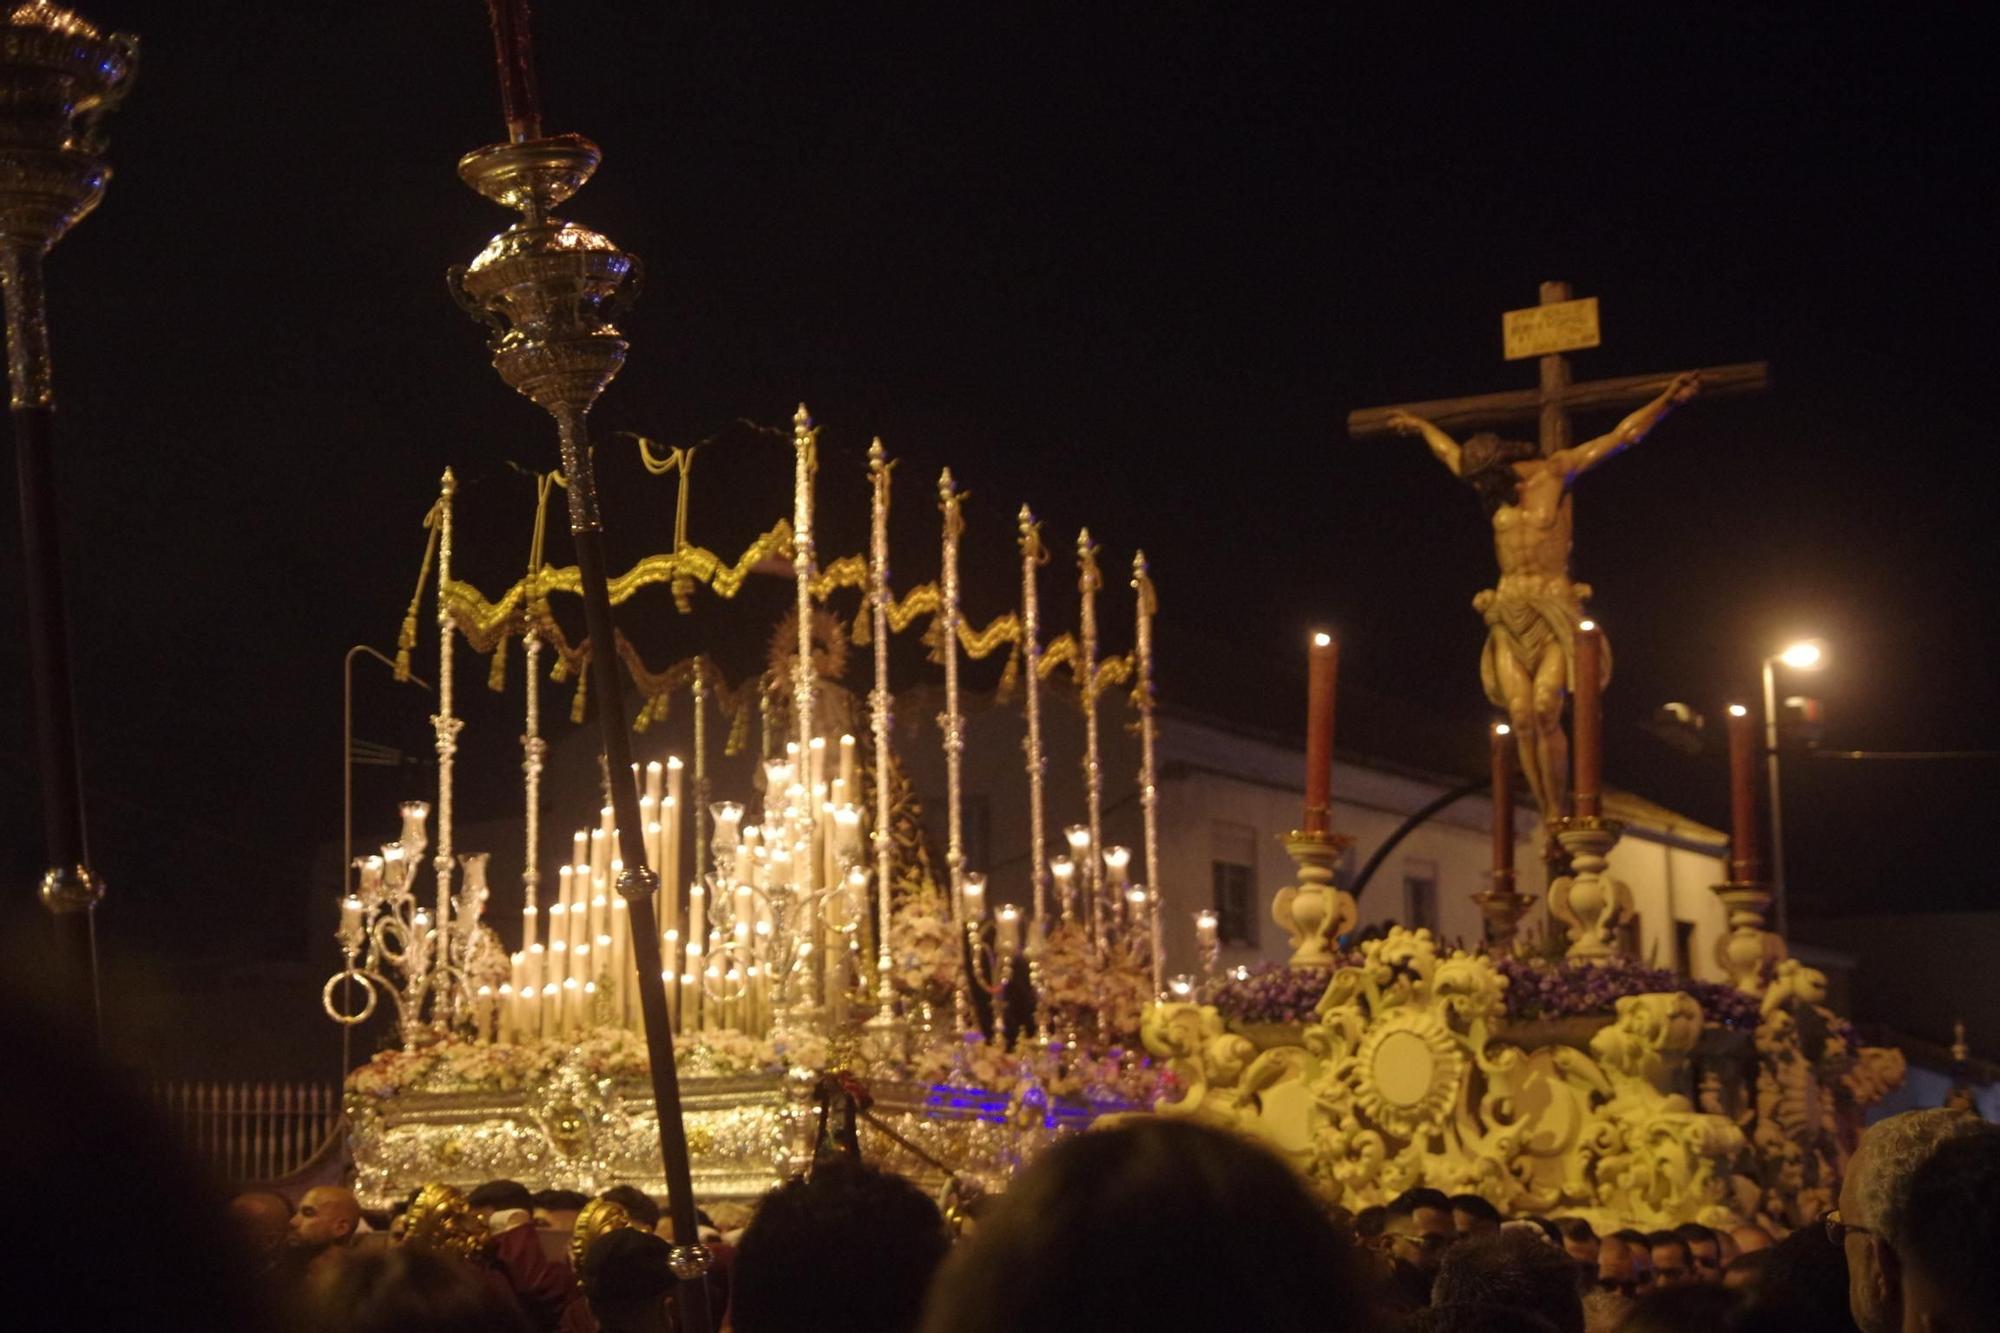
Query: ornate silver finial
[547,290]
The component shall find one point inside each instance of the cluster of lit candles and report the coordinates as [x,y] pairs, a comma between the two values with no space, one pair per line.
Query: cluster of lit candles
[577,972]
[756,929]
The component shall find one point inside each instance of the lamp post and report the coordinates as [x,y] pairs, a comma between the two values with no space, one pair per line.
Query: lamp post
[347,805]
[1802,656]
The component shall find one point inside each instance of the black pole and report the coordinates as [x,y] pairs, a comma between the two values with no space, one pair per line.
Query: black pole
[638,885]
[67,888]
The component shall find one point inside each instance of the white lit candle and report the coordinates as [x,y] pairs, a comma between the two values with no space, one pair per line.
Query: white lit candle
[848,767]
[671,873]
[1064,872]
[350,921]
[1007,930]
[620,960]
[974,889]
[1205,923]
[654,772]
[1116,862]
[600,852]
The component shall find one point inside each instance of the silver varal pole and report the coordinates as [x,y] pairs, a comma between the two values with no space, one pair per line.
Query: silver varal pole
[951,723]
[880,703]
[1088,581]
[1149,790]
[445,724]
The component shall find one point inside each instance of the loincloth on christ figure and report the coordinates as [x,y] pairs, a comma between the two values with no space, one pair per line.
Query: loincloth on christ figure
[1526,626]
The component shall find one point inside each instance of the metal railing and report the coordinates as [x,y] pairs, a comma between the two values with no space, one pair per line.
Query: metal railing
[244,1132]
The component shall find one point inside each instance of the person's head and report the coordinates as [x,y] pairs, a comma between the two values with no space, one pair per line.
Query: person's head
[1874,1208]
[1951,1238]
[1489,465]
[1081,1238]
[556,1210]
[1690,1307]
[327,1215]
[1368,1223]
[1472,1215]
[409,1290]
[1704,1249]
[504,1197]
[1511,1270]
[638,1204]
[1579,1241]
[845,1225]
[1726,1248]
[1746,1272]
[626,1280]
[1673,1259]
[1541,1228]
[1624,1262]
[1798,1285]
[1750,1238]
[260,1219]
[1419,1227]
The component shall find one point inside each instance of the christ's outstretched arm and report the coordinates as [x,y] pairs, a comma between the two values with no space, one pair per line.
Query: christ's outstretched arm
[1446,448]
[1573,462]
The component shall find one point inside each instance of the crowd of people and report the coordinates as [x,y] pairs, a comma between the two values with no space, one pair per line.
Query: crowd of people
[1154,1223]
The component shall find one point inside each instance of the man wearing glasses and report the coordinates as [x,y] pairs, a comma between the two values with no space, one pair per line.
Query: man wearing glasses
[1873,1216]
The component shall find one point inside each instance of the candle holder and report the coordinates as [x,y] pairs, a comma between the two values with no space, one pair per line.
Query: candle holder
[1503,908]
[1749,952]
[1589,900]
[1314,912]
[391,947]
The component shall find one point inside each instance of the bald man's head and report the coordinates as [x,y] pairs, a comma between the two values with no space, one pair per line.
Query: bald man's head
[260,1218]
[327,1215]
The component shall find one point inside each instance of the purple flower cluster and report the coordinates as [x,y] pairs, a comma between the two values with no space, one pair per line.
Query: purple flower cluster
[1271,992]
[1563,989]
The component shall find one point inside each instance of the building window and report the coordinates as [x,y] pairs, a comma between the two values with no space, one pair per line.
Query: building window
[1233,874]
[1420,895]
[1684,948]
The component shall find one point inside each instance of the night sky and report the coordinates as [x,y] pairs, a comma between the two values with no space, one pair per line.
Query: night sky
[1132,267]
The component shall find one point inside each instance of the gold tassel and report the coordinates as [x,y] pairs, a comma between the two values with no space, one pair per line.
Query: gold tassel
[1009,678]
[581,701]
[496,677]
[406,641]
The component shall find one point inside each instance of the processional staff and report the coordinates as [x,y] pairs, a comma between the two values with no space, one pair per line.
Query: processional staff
[59,77]
[547,290]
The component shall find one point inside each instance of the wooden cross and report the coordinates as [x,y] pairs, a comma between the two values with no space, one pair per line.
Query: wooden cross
[1556,397]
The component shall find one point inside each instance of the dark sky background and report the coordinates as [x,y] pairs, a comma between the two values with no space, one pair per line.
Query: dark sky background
[1133,266]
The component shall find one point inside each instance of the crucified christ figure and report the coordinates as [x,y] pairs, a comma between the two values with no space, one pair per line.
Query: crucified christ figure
[1532,612]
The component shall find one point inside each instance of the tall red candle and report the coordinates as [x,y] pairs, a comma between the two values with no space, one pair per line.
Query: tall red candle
[513,51]
[1503,803]
[1746,857]
[1323,663]
[1587,721]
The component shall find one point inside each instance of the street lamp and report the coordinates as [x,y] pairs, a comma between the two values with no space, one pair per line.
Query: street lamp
[1805,655]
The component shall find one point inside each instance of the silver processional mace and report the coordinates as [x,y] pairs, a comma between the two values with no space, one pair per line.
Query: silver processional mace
[548,290]
[59,77]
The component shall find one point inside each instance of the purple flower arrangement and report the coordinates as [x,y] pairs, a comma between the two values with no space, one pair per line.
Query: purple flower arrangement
[1279,993]
[1272,992]
[1564,989]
